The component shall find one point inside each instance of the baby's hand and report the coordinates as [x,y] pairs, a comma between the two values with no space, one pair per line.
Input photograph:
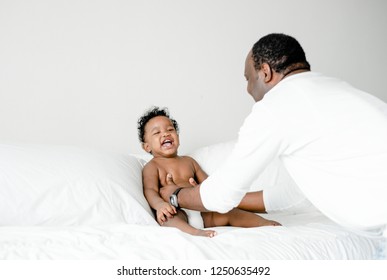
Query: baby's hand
[164,212]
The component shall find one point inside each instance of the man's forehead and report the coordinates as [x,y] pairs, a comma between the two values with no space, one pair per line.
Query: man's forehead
[249,56]
[249,61]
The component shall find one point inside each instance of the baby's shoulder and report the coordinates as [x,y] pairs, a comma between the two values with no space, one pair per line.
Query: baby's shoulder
[189,158]
[151,164]
[186,157]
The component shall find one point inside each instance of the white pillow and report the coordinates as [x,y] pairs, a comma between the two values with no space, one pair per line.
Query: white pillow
[59,185]
[212,156]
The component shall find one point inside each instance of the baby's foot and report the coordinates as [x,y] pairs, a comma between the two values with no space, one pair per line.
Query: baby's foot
[264,222]
[271,223]
[205,233]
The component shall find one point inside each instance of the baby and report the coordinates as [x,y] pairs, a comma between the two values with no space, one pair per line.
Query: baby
[159,136]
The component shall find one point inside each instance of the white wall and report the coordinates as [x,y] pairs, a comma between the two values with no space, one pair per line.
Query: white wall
[81,72]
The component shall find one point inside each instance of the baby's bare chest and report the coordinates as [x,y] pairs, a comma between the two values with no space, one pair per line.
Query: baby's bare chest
[181,171]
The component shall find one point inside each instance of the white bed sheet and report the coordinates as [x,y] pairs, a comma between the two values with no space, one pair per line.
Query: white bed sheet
[303,236]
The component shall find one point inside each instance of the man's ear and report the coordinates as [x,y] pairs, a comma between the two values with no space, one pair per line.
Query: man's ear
[146,147]
[267,72]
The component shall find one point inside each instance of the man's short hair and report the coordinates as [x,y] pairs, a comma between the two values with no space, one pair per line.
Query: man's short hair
[281,52]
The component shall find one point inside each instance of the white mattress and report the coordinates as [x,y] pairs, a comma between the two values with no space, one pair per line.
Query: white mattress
[303,236]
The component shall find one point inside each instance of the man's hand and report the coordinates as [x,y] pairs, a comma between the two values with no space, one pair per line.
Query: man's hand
[167,190]
[188,197]
[193,182]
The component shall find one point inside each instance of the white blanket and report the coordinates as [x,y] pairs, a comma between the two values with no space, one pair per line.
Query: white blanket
[304,236]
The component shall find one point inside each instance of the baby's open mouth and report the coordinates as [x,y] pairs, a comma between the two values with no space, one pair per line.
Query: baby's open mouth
[167,143]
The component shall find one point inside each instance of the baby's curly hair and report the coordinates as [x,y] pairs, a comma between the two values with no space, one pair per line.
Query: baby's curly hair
[150,114]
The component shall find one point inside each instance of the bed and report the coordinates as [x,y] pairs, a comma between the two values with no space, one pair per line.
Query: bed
[71,203]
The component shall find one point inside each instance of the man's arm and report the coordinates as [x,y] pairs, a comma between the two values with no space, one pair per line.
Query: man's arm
[187,198]
[200,174]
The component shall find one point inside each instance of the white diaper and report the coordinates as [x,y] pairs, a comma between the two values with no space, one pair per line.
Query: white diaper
[194,218]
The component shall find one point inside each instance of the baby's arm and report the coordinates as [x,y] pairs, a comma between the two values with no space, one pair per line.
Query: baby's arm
[200,175]
[150,178]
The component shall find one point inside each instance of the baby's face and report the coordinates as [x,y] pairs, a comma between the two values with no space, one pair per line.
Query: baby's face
[161,138]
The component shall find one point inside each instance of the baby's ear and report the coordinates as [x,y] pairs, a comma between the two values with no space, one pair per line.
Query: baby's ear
[146,148]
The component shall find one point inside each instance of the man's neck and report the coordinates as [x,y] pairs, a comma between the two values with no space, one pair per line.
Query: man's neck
[294,71]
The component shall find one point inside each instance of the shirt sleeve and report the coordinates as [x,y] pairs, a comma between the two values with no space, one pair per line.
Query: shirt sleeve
[260,141]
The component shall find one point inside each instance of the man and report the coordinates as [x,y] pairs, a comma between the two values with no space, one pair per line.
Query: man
[331,137]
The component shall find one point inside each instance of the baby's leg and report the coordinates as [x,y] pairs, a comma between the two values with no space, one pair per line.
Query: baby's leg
[242,218]
[253,202]
[238,218]
[180,221]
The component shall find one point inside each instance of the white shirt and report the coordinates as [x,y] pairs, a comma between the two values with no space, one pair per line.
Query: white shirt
[332,139]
